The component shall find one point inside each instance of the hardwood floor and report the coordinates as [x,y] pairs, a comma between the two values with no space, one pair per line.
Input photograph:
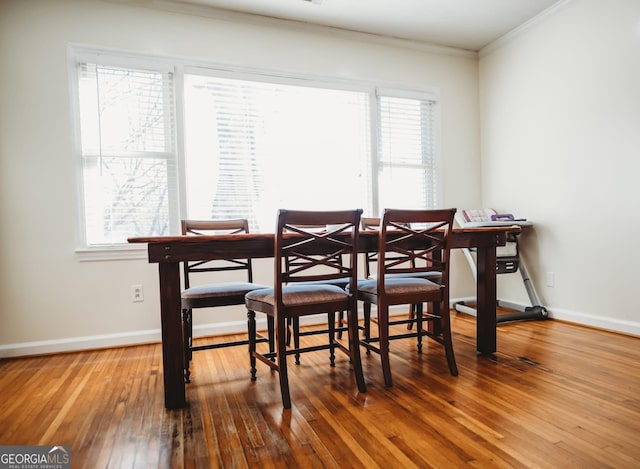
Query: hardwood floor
[554,396]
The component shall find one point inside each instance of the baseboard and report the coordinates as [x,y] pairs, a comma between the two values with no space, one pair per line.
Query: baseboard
[575,317]
[74,344]
[598,322]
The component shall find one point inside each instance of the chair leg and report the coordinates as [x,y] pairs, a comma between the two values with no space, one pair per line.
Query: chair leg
[331,328]
[366,308]
[419,329]
[289,328]
[187,338]
[340,323]
[383,333]
[436,309]
[271,333]
[412,315]
[281,361]
[354,348]
[445,321]
[251,329]
[296,337]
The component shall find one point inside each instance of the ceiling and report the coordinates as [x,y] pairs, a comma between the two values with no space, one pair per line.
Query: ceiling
[463,24]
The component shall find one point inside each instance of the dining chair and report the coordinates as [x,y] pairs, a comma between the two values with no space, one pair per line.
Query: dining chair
[303,288]
[210,295]
[412,245]
[373,223]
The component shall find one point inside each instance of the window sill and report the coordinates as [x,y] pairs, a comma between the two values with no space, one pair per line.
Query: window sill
[111,253]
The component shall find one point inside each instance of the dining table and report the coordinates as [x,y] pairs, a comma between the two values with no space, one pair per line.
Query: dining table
[169,251]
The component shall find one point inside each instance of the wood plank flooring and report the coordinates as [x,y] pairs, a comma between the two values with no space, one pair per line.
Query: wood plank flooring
[555,396]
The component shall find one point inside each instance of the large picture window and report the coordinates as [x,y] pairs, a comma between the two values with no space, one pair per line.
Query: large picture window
[253,147]
[245,145]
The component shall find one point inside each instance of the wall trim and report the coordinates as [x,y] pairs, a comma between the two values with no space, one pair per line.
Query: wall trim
[221,14]
[598,322]
[524,27]
[575,317]
[75,344]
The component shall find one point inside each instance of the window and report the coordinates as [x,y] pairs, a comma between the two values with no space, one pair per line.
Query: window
[406,152]
[250,144]
[253,147]
[127,134]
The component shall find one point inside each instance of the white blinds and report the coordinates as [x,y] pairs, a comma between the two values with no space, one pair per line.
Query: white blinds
[406,153]
[128,151]
[253,147]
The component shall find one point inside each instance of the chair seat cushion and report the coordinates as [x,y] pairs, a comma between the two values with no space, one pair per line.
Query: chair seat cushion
[399,286]
[302,294]
[216,290]
[433,276]
[338,282]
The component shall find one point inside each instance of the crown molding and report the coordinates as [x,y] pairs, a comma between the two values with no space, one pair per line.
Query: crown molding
[524,27]
[175,6]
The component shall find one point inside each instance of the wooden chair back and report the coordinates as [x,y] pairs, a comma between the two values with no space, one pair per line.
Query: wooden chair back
[298,234]
[371,223]
[414,241]
[292,260]
[216,227]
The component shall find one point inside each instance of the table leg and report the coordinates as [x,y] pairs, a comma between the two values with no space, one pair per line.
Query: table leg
[486,297]
[172,355]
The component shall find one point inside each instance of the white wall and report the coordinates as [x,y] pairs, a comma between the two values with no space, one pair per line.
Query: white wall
[48,299]
[560,144]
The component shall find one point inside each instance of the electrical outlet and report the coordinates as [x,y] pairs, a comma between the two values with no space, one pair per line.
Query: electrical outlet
[551,279]
[137,294]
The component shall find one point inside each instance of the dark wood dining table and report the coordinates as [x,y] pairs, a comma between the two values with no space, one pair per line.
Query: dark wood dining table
[169,251]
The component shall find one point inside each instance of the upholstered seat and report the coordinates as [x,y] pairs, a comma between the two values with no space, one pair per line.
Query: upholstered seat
[399,286]
[218,290]
[298,295]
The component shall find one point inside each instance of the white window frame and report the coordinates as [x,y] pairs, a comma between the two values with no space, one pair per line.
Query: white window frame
[80,55]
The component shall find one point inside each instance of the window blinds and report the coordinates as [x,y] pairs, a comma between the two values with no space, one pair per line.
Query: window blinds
[128,151]
[406,153]
[253,147]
